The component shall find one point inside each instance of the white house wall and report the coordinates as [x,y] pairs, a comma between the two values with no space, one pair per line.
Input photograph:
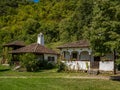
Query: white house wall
[85,65]
[51,55]
[106,65]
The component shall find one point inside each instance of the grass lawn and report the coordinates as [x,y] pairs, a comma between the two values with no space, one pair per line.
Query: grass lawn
[6,71]
[57,84]
[51,80]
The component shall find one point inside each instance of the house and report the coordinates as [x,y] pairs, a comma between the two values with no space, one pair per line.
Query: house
[42,52]
[79,56]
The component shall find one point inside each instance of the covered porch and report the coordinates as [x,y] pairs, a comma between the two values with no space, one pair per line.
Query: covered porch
[84,60]
[77,59]
[76,55]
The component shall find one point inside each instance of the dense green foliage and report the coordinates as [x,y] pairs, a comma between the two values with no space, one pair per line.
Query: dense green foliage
[62,21]
[105,33]
[29,62]
[4,68]
[62,67]
[32,63]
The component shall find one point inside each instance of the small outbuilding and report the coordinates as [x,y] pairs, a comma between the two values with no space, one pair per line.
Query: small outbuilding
[14,45]
[42,52]
[11,46]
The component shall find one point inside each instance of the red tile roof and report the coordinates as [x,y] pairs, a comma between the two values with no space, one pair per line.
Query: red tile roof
[15,43]
[77,44]
[34,48]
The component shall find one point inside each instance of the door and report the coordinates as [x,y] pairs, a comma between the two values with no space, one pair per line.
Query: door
[95,64]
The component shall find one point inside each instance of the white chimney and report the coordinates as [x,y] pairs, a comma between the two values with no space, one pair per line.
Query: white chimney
[40,39]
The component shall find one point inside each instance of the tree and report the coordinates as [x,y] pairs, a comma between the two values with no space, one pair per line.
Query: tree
[104,30]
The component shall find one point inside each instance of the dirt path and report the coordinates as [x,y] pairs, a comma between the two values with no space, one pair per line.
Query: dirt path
[75,77]
[90,77]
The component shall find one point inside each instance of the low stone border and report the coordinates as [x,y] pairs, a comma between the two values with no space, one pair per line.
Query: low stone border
[116,78]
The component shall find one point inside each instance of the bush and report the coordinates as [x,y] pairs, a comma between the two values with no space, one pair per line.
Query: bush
[30,62]
[45,64]
[4,68]
[50,65]
[42,64]
[62,67]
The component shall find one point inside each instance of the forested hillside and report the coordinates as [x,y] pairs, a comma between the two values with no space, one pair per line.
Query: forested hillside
[62,21]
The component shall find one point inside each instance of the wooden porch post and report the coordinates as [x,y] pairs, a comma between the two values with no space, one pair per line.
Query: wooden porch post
[70,56]
[79,55]
[60,55]
[4,56]
[114,61]
[90,60]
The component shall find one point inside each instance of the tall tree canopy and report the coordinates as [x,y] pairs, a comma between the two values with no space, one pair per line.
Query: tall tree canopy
[62,21]
[104,30]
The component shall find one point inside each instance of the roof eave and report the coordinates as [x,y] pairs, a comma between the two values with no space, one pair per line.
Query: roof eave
[74,47]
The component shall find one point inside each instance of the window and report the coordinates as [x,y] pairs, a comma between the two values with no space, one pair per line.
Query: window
[51,58]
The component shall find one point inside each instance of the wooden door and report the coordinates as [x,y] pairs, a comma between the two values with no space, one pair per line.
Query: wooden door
[95,64]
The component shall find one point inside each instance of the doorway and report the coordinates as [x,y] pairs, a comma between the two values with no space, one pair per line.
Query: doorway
[95,64]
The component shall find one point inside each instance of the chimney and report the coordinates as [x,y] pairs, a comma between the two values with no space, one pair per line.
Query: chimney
[40,39]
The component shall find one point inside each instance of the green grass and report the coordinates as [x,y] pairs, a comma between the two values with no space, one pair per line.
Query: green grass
[51,80]
[6,71]
[57,84]
[44,73]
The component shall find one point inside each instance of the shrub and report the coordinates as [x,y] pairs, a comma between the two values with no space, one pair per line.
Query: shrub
[42,64]
[50,65]
[30,62]
[45,64]
[62,67]
[4,68]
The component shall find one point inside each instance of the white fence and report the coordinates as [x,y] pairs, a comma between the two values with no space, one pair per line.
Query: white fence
[78,65]
[106,65]
[85,65]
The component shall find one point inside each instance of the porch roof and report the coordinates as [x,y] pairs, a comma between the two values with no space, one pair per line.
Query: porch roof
[15,43]
[34,48]
[77,44]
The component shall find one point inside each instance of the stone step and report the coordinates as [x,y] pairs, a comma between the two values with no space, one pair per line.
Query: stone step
[93,71]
